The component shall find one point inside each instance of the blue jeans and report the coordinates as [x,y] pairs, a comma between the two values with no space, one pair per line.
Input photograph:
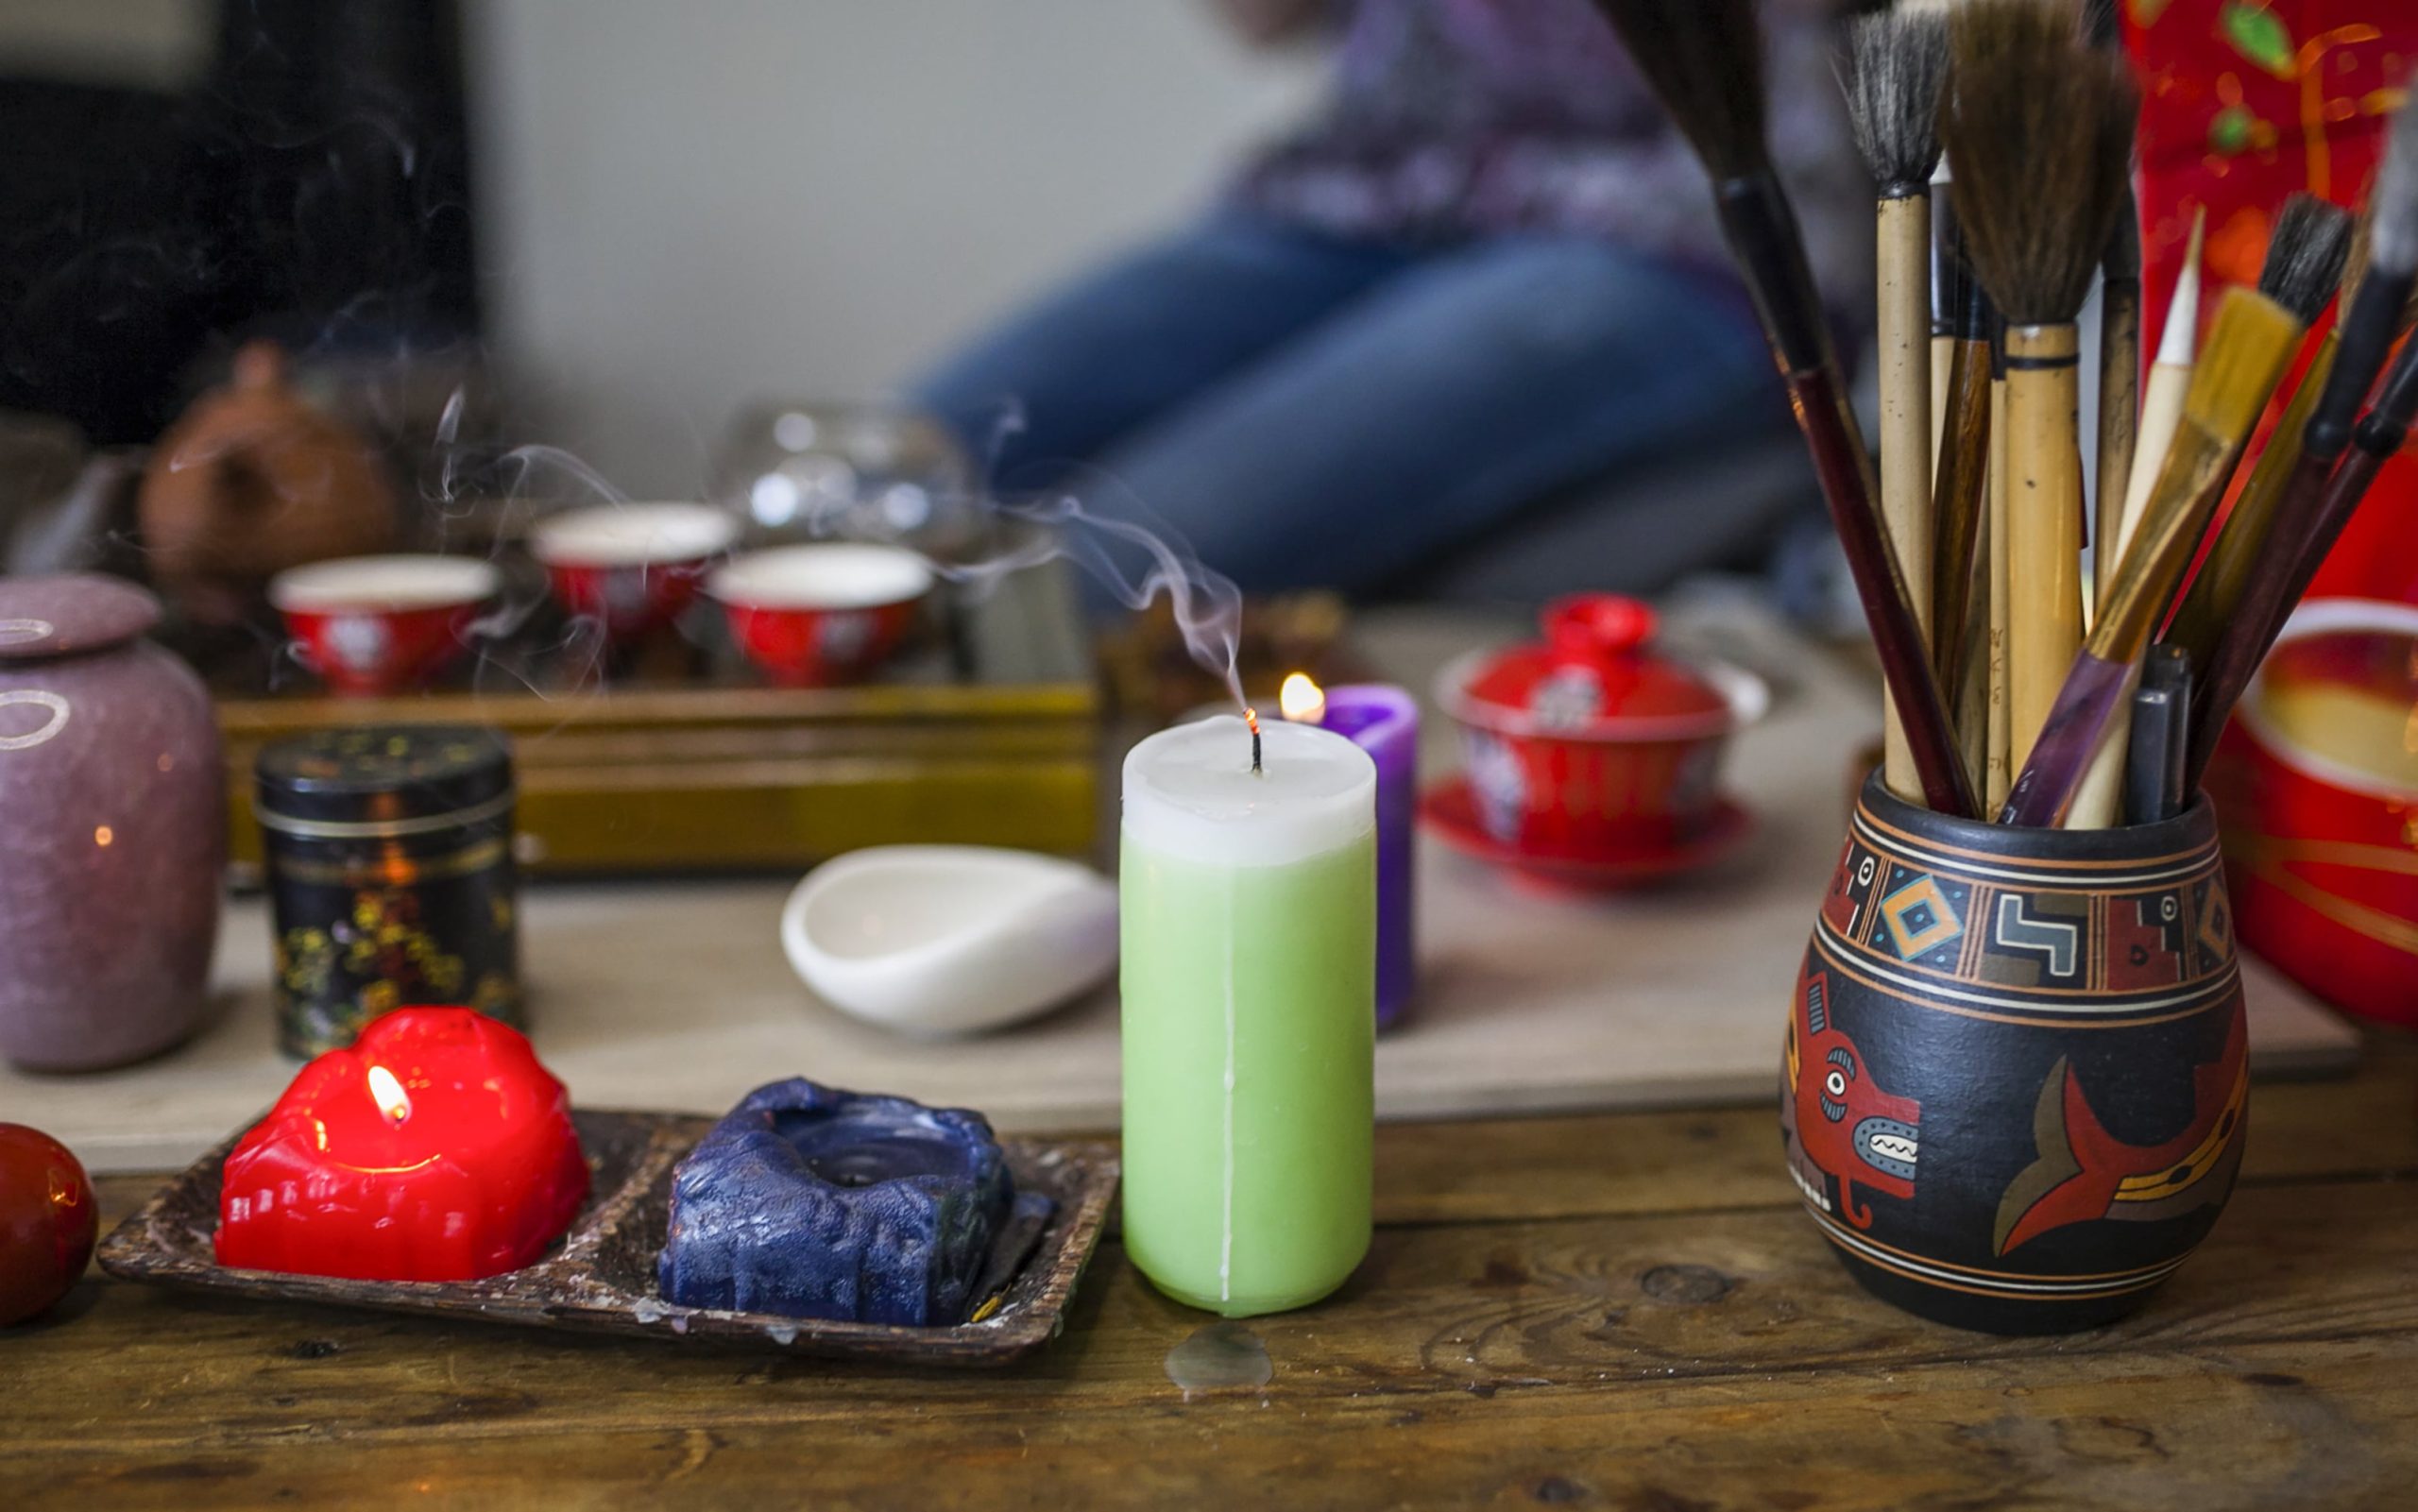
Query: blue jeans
[1313,412]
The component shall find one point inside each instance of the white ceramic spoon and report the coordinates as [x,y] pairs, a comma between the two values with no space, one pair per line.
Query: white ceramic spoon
[939,940]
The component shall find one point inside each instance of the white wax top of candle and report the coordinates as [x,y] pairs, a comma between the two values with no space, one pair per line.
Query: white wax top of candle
[1190,792]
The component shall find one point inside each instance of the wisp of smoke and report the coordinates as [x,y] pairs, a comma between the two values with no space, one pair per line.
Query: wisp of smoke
[1132,563]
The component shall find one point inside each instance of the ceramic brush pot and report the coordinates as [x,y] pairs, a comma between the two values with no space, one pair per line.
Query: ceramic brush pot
[2016,1072]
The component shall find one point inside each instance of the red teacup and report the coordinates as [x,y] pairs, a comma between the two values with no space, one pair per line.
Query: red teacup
[815,616]
[380,625]
[2318,793]
[632,567]
[1594,745]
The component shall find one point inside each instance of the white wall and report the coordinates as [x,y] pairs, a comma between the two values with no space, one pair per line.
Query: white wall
[690,205]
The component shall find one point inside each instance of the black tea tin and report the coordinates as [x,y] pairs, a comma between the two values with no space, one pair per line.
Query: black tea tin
[388,852]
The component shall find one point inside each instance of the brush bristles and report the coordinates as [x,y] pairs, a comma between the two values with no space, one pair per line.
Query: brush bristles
[2039,135]
[1705,60]
[2099,26]
[2392,205]
[2305,257]
[2244,354]
[1897,62]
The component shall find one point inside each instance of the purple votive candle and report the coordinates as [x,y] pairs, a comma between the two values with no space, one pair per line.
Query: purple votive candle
[1383,720]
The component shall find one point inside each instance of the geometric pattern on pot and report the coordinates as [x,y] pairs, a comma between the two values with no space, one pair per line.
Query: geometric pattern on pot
[2028,940]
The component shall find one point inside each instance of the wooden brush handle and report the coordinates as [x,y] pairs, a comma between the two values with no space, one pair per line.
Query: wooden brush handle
[2044,524]
[1998,770]
[1904,331]
[1760,228]
[1957,504]
[2120,399]
[1845,471]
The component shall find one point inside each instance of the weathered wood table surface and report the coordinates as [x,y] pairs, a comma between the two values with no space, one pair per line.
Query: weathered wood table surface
[1624,1310]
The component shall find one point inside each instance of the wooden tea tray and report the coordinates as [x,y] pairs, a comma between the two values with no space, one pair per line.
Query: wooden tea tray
[986,732]
[600,1277]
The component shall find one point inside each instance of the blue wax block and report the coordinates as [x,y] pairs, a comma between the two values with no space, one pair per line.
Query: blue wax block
[813,1202]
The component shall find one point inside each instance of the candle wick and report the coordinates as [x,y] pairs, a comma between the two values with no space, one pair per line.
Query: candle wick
[1250,716]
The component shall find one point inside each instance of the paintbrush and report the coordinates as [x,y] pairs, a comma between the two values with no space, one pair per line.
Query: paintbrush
[2303,265]
[2252,338]
[1896,61]
[2325,232]
[2119,338]
[2169,376]
[1704,60]
[2039,127]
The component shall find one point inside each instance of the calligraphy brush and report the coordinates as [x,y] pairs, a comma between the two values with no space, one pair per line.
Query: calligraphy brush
[2303,265]
[2039,127]
[1704,60]
[2243,536]
[2252,338]
[1897,62]
[2119,338]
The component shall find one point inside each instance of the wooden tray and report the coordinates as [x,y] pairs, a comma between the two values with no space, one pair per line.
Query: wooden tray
[599,1278]
[986,731]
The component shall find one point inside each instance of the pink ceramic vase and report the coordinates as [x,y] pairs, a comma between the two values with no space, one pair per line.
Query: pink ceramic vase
[113,829]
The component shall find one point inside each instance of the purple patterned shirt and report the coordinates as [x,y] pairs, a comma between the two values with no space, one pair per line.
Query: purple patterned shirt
[1451,118]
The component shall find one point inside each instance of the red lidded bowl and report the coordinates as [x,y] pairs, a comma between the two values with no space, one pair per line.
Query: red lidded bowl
[1595,742]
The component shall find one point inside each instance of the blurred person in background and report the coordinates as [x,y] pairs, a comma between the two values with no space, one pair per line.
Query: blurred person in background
[1488,271]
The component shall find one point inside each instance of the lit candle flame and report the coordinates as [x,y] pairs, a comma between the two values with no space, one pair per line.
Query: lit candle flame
[392,1101]
[1302,701]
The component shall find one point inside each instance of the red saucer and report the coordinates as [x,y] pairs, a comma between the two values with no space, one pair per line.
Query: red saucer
[1449,812]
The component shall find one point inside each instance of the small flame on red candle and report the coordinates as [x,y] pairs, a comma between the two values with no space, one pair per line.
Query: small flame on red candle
[392,1101]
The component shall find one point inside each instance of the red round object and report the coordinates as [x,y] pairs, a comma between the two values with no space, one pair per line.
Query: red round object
[48,1220]
[1594,743]
[381,624]
[2317,842]
[436,1147]
[820,615]
[630,602]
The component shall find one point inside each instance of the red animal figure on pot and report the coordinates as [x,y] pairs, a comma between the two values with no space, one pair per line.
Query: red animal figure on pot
[1840,1123]
[2083,1172]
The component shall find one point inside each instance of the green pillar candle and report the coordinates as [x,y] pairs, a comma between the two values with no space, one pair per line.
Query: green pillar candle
[1249,917]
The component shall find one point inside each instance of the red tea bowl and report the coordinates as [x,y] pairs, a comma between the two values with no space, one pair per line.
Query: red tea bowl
[820,615]
[381,624]
[1595,744]
[631,567]
[2316,781]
